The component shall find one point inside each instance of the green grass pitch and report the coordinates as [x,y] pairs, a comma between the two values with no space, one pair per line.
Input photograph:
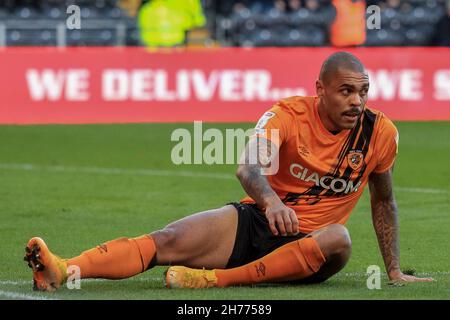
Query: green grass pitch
[62,183]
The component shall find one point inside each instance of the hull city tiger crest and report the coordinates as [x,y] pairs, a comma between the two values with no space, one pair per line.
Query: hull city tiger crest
[355,159]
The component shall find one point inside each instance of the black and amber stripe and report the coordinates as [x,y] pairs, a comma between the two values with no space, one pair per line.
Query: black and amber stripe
[359,139]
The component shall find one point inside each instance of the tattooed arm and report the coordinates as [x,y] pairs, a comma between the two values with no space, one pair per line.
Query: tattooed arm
[258,156]
[385,222]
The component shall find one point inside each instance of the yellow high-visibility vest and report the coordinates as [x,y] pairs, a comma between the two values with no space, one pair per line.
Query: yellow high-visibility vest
[165,22]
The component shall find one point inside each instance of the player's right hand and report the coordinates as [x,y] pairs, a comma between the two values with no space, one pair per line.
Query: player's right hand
[282,219]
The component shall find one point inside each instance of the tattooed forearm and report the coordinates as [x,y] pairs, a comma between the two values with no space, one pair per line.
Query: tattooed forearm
[256,184]
[385,220]
[384,215]
[258,155]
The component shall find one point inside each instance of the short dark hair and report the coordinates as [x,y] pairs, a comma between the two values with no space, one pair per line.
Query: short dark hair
[340,60]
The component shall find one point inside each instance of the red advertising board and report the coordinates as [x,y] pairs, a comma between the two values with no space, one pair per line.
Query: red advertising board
[119,85]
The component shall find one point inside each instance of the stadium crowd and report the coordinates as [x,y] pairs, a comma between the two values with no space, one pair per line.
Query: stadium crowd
[250,23]
[321,22]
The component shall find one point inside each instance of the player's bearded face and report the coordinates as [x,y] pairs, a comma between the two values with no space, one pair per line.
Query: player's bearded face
[344,98]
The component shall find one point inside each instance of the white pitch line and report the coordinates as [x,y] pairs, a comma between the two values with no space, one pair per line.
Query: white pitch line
[163,173]
[156,278]
[128,279]
[17,295]
[422,190]
[29,282]
[116,171]
[14,283]
[419,274]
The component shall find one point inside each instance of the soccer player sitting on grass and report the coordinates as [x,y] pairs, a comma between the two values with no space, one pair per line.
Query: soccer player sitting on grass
[290,228]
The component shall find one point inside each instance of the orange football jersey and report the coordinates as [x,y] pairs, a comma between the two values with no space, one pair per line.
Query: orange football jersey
[321,175]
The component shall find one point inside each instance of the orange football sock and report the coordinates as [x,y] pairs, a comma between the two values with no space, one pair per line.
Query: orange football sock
[116,259]
[293,261]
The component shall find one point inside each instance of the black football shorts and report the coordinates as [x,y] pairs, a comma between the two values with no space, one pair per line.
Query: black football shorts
[254,239]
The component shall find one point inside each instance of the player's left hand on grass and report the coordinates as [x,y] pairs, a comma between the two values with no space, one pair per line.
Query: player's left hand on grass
[400,277]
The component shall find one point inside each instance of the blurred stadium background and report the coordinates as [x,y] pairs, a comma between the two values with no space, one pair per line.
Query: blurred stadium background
[246,23]
[86,116]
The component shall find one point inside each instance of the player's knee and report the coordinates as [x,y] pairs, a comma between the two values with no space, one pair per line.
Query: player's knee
[343,246]
[166,240]
[342,240]
[335,241]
